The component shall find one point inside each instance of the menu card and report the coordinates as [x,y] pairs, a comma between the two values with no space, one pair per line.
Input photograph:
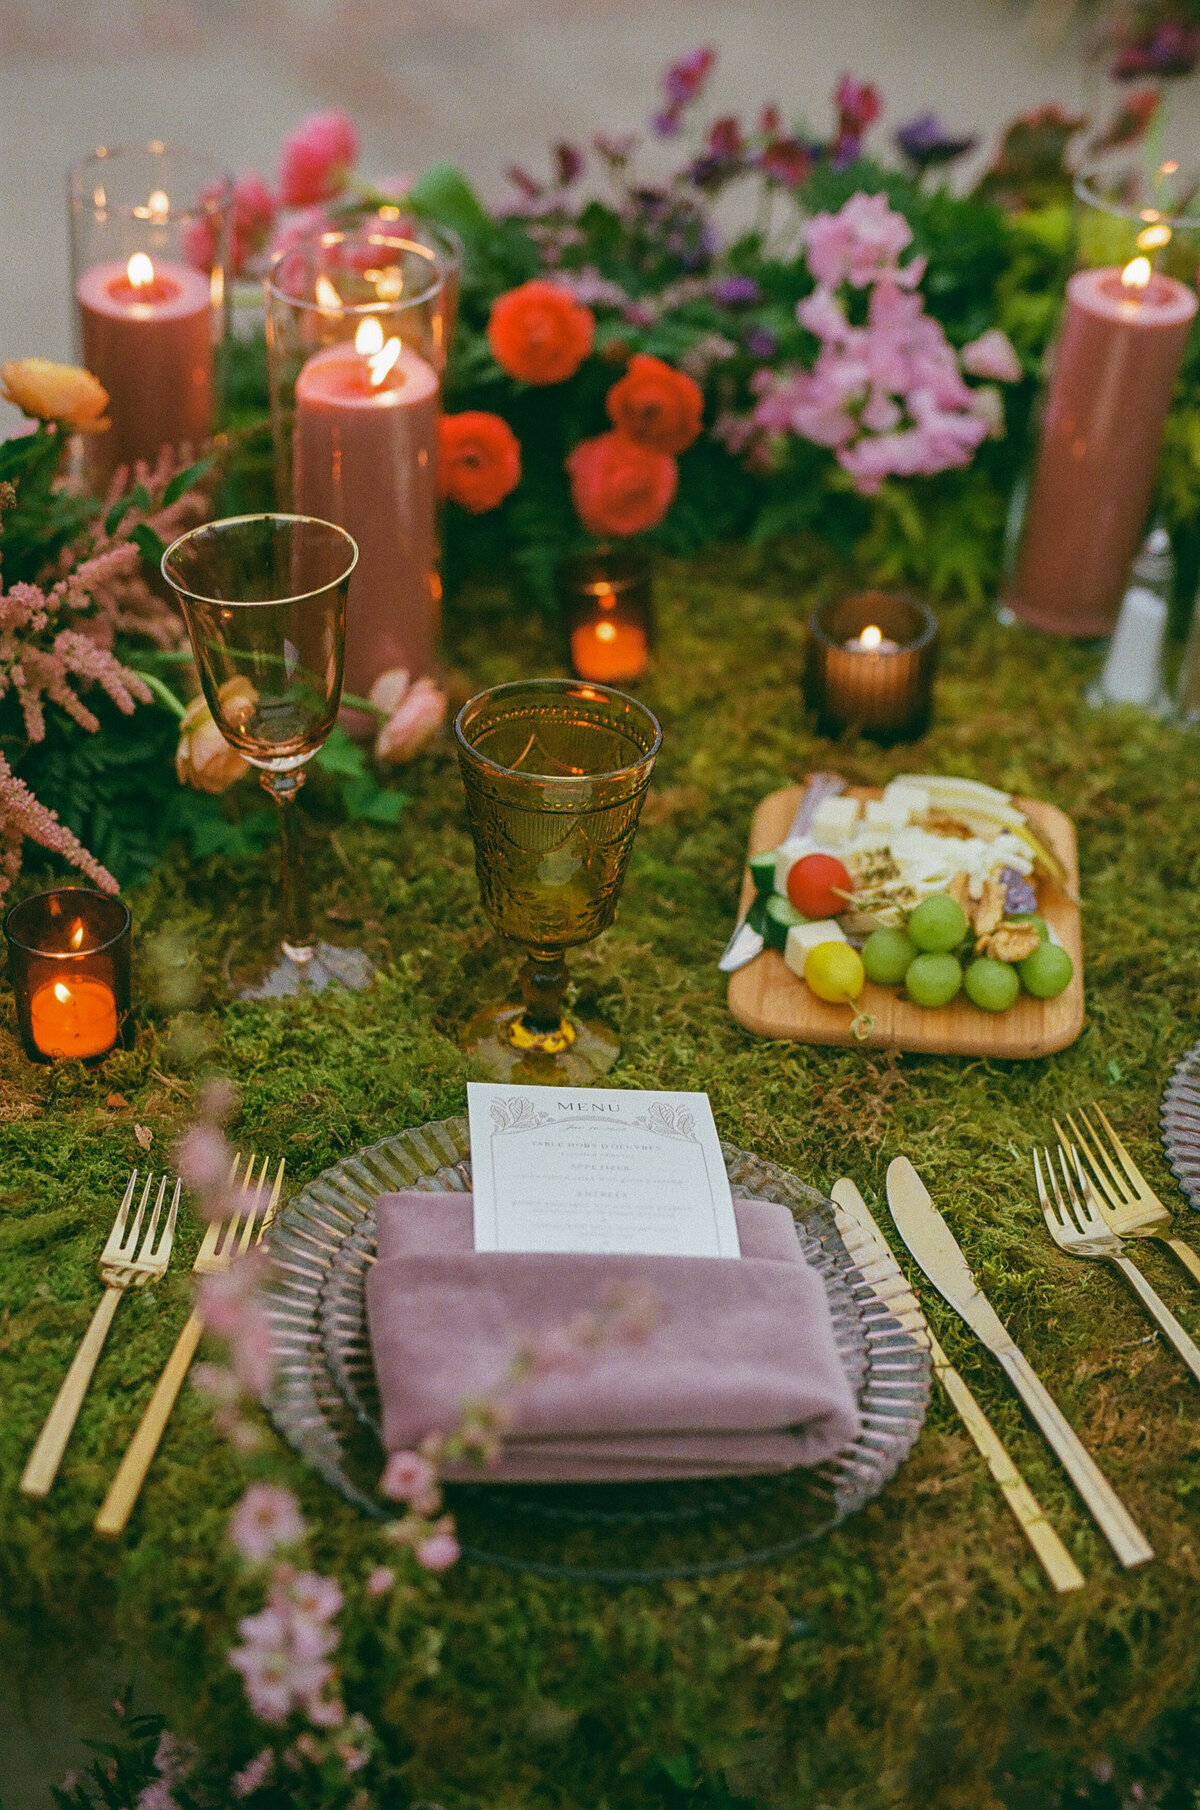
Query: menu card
[598,1169]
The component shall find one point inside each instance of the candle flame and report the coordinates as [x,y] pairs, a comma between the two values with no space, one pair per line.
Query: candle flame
[1153,238]
[328,299]
[380,357]
[871,636]
[140,271]
[77,934]
[369,338]
[1136,273]
[158,205]
[1169,168]
[606,631]
[61,993]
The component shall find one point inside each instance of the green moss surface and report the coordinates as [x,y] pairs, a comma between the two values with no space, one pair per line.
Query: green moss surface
[914,1657]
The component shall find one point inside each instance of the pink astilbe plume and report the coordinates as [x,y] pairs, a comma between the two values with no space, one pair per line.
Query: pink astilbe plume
[21,815]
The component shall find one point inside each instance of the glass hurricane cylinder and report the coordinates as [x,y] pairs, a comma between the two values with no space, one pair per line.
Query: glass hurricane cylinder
[445,247]
[354,341]
[1078,522]
[871,662]
[149,241]
[607,603]
[68,961]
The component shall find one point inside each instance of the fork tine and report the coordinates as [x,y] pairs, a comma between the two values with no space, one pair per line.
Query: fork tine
[208,1244]
[273,1203]
[1131,1169]
[252,1194]
[129,1245]
[1052,1224]
[1112,1182]
[1081,1218]
[112,1249]
[167,1240]
[148,1240]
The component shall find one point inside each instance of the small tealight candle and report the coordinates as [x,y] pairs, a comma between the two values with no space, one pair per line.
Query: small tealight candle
[606,597]
[871,661]
[68,959]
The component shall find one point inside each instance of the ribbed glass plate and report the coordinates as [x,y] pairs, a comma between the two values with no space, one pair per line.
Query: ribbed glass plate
[324,1402]
[1180,1124]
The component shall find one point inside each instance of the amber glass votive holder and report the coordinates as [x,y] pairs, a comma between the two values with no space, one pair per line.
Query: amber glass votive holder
[68,961]
[871,663]
[608,607]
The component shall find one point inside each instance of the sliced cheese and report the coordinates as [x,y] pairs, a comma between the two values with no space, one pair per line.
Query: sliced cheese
[834,821]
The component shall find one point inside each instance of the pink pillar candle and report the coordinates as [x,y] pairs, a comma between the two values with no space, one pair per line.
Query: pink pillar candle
[365,457]
[150,344]
[1115,367]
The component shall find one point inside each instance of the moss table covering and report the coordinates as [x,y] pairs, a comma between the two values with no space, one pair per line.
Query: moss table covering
[916,1656]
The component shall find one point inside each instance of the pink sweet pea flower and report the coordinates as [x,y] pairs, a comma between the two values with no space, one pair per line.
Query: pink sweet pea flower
[317,159]
[267,1517]
[859,242]
[992,356]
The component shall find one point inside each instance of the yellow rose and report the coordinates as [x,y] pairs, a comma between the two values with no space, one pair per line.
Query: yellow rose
[51,392]
[204,758]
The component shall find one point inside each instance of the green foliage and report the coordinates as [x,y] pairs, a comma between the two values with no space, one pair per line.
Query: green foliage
[40,521]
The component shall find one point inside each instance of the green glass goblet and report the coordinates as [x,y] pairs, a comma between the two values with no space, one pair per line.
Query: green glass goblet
[264,599]
[555,772]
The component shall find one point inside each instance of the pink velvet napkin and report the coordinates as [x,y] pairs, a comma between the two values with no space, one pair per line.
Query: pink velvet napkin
[739,1375]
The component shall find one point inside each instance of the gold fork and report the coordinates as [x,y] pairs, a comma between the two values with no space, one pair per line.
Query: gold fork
[1077,1227]
[224,1239]
[122,1266]
[1126,1199]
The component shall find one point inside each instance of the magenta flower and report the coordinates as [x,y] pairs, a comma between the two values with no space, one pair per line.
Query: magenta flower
[858,106]
[682,84]
[317,159]
[267,1517]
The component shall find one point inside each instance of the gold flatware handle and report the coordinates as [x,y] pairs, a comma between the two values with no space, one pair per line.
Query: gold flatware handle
[46,1455]
[1186,1256]
[131,1473]
[1108,1511]
[1056,1561]
[1154,1304]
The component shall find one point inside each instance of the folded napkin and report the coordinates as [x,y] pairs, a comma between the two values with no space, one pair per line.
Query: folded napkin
[740,1374]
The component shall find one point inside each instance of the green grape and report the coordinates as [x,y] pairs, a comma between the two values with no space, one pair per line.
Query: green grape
[1047,971]
[933,980]
[992,985]
[937,924]
[887,955]
[1031,917]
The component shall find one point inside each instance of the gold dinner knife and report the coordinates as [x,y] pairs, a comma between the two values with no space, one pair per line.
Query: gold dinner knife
[875,1262]
[936,1249]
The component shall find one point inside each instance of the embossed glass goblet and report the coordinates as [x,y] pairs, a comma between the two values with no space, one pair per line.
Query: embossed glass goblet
[264,598]
[555,772]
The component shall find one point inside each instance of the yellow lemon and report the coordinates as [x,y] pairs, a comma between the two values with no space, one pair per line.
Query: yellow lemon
[835,972]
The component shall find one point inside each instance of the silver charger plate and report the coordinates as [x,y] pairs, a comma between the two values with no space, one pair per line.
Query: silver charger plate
[324,1401]
[1180,1124]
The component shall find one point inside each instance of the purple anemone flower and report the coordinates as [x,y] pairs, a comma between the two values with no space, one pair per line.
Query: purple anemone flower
[735,291]
[761,343]
[925,142]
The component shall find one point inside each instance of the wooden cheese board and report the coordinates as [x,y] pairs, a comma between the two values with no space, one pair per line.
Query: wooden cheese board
[770,1000]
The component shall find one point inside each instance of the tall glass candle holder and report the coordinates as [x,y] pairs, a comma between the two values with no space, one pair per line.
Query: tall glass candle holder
[354,342]
[68,961]
[149,241]
[445,247]
[607,603]
[871,664]
[1080,522]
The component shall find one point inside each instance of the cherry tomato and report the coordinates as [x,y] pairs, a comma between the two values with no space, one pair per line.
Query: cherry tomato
[817,885]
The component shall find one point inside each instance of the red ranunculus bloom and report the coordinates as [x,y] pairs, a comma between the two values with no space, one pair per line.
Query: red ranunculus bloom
[619,487]
[479,459]
[540,334]
[657,406]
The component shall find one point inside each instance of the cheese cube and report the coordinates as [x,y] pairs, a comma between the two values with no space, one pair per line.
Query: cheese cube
[834,821]
[901,794]
[786,857]
[803,937]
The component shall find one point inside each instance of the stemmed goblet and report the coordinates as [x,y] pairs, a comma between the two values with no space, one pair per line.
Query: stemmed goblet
[264,599]
[555,772]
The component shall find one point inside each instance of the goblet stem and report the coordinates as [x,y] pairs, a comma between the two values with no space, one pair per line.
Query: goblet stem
[543,989]
[298,944]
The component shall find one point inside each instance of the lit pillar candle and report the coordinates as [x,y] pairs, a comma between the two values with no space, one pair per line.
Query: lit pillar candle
[365,457]
[1114,369]
[147,335]
[73,1017]
[608,649]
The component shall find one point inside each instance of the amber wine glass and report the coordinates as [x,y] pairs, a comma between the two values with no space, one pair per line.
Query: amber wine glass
[264,599]
[555,772]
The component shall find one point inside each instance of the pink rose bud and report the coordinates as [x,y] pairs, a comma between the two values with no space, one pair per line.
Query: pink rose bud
[317,159]
[390,688]
[204,759]
[413,724]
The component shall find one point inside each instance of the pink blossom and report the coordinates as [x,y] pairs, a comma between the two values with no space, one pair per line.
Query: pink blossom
[276,1682]
[301,226]
[863,239]
[202,1158]
[438,1552]
[317,159]
[410,1478]
[992,356]
[324,1712]
[381,1580]
[315,1597]
[246,1782]
[223,1297]
[413,724]
[268,1516]
[157,1795]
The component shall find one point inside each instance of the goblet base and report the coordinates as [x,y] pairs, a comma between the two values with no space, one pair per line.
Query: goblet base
[507,1050]
[326,964]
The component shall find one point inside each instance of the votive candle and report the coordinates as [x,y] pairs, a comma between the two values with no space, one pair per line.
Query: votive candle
[871,663]
[68,960]
[606,596]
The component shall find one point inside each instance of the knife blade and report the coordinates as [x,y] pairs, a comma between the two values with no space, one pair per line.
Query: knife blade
[745,943]
[937,1251]
[873,1257]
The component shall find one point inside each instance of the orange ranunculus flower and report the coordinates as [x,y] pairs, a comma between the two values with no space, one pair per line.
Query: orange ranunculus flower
[657,406]
[540,334]
[50,392]
[620,487]
[479,459]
